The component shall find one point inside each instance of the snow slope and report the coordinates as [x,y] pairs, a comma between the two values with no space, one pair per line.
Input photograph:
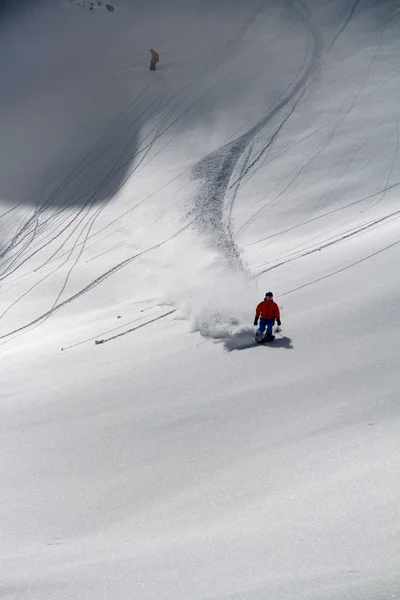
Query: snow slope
[150,212]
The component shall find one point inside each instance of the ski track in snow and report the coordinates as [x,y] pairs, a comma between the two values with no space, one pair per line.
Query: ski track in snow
[73,226]
[58,305]
[340,236]
[213,204]
[220,176]
[177,466]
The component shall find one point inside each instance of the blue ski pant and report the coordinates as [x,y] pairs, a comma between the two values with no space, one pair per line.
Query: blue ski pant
[266,323]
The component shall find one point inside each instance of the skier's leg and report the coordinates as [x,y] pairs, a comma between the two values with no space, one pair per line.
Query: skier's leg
[270,324]
[263,324]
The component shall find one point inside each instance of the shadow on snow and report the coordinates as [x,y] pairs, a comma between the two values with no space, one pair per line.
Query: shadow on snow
[244,340]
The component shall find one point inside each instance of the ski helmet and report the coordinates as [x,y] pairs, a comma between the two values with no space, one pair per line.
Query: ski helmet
[269,294]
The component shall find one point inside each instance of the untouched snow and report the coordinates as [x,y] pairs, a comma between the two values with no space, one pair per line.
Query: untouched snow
[151,212]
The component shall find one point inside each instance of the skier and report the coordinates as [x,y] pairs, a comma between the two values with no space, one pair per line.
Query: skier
[268,312]
[154,59]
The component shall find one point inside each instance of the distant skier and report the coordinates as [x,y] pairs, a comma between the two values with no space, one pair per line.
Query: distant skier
[154,59]
[268,312]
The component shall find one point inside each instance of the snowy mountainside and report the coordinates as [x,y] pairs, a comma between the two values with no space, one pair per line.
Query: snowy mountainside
[150,448]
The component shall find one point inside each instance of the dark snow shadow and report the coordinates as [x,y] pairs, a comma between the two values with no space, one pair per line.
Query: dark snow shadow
[10,7]
[69,125]
[243,340]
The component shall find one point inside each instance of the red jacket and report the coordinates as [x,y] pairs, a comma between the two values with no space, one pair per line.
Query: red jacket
[268,309]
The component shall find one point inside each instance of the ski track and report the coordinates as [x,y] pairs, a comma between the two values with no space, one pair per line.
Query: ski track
[57,306]
[44,223]
[51,217]
[118,335]
[115,336]
[330,242]
[345,24]
[345,268]
[212,204]
[220,174]
[357,99]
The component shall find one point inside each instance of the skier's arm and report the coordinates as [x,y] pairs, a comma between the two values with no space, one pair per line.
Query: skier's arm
[258,312]
[278,316]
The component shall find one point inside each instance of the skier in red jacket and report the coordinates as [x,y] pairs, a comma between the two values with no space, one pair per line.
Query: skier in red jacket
[268,312]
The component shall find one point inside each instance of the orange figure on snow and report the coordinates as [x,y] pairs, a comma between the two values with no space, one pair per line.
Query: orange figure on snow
[268,312]
[154,59]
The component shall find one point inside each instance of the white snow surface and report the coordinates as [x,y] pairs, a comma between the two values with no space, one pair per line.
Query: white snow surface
[177,460]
